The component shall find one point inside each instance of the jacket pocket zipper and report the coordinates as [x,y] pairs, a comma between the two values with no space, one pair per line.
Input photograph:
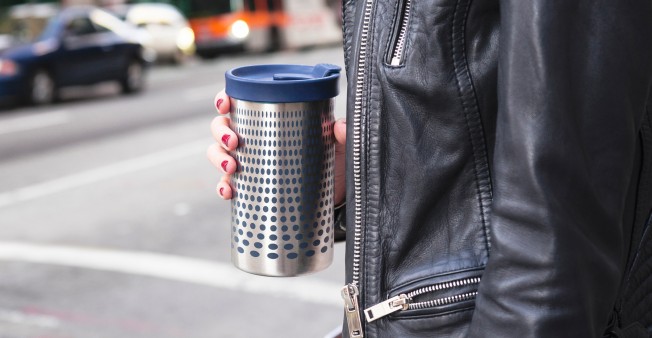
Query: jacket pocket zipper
[401,34]
[406,301]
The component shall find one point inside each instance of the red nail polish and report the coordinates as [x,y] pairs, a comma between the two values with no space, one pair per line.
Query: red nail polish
[222,191]
[225,139]
[224,164]
[219,103]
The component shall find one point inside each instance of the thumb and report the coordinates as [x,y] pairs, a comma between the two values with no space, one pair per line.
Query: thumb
[340,131]
[340,163]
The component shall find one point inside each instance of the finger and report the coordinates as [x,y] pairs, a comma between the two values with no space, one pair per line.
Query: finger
[340,131]
[221,159]
[224,188]
[223,133]
[222,102]
[340,167]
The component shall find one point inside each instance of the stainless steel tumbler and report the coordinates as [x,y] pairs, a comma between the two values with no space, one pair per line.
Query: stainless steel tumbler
[282,209]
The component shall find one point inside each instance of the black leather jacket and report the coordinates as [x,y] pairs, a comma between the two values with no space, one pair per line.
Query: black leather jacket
[499,168]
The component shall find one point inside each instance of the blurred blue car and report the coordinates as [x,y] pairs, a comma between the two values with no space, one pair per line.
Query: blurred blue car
[45,49]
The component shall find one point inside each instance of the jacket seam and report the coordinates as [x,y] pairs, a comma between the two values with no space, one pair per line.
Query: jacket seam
[645,129]
[468,99]
[642,299]
[346,32]
[365,294]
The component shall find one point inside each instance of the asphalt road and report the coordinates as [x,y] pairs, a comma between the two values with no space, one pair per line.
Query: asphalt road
[110,226]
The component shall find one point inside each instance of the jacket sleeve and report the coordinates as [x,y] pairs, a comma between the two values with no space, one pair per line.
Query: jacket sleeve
[573,78]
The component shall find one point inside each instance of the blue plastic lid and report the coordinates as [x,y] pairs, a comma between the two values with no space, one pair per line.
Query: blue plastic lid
[283,83]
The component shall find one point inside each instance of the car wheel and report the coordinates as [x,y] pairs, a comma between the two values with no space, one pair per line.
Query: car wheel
[207,54]
[43,89]
[133,80]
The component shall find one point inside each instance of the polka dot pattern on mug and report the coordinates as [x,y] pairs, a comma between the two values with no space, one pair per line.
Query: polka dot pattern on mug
[283,188]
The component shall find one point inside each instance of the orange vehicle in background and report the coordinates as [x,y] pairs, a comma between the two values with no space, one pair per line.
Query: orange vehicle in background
[261,25]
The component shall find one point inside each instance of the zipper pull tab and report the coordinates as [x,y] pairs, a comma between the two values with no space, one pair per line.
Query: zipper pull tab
[387,307]
[352,310]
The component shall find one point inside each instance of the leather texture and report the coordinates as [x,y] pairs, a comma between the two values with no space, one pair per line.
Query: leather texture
[512,143]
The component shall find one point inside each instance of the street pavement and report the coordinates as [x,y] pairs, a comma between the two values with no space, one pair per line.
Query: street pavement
[110,226]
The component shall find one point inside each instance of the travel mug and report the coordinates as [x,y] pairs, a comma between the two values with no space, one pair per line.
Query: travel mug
[282,207]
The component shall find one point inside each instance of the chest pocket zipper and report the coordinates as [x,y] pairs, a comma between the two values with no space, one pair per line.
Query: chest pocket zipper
[407,301]
[400,34]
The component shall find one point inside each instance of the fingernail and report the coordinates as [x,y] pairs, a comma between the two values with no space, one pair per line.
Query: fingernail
[224,164]
[225,139]
[219,103]
[222,191]
[343,121]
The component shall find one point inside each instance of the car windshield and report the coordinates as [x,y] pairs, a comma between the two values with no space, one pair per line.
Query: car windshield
[26,23]
[144,14]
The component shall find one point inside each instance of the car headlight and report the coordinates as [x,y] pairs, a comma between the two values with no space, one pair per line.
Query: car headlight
[8,68]
[186,39]
[239,30]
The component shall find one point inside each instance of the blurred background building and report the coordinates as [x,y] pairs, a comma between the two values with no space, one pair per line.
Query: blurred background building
[38,38]
[250,25]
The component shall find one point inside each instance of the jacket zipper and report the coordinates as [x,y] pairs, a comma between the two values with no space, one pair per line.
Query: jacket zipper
[405,301]
[350,291]
[399,45]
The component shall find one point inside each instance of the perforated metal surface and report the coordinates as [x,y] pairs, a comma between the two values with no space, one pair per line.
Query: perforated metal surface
[282,210]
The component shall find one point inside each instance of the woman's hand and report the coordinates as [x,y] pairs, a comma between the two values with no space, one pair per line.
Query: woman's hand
[227,140]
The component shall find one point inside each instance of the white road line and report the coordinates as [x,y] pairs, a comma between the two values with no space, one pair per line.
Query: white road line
[34,121]
[103,173]
[21,318]
[190,270]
